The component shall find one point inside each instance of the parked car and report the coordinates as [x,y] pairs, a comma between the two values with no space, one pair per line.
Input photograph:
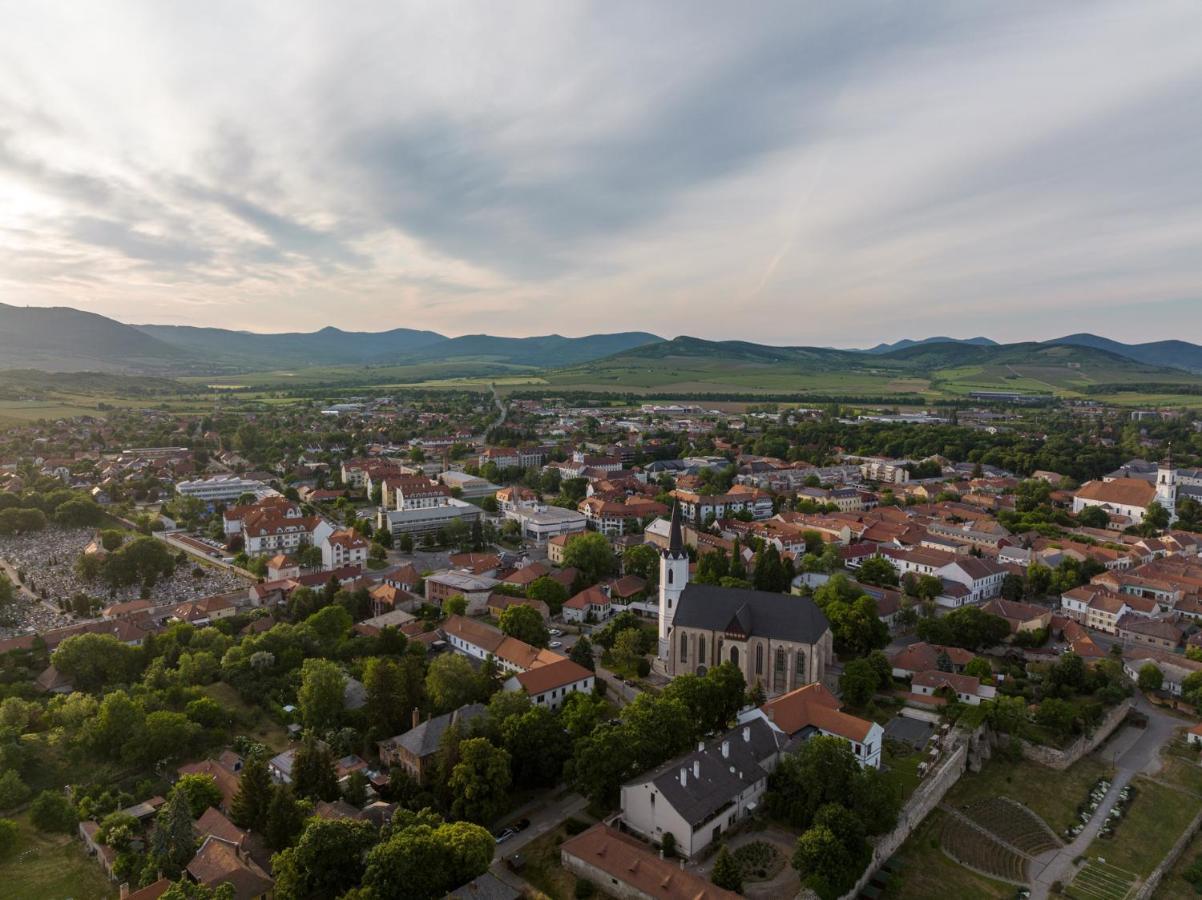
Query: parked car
[555,645]
[520,825]
[555,632]
[505,835]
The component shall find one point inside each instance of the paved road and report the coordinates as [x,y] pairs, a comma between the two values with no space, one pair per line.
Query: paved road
[1133,751]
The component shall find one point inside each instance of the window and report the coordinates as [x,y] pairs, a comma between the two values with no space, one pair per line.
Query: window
[778,671]
[670,574]
[701,650]
[800,667]
[734,655]
[759,659]
[684,648]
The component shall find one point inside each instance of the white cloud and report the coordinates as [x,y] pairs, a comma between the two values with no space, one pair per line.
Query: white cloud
[798,173]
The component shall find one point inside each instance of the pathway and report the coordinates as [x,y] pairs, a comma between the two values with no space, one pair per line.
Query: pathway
[1133,751]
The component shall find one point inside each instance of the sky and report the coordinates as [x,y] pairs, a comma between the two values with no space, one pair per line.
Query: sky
[806,173]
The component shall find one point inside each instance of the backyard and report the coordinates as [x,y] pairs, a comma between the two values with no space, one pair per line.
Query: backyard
[52,867]
[253,720]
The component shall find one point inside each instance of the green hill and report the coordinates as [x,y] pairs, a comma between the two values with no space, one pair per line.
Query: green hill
[59,338]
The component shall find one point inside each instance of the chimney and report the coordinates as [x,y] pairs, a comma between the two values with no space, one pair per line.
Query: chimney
[747,734]
[417,717]
[696,768]
[726,749]
[684,777]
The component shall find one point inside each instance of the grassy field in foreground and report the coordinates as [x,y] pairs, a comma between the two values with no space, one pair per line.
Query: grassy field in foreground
[52,867]
[1174,886]
[1157,817]
[1051,795]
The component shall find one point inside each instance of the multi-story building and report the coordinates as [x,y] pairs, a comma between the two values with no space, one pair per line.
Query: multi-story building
[222,488]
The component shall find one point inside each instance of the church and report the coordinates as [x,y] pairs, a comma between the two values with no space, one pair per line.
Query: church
[780,641]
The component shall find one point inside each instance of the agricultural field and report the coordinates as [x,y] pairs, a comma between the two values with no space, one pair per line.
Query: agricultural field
[1051,795]
[52,867]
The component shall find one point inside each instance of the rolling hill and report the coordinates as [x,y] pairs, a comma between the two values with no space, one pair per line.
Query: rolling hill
[62,339]
[905,343]
[1174,354]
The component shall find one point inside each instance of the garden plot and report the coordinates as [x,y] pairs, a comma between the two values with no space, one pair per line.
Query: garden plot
[1102,881]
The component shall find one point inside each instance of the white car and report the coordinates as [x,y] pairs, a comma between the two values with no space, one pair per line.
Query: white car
[555,645]
[555,632]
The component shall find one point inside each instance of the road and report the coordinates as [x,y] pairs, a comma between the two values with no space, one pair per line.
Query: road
[1133,751]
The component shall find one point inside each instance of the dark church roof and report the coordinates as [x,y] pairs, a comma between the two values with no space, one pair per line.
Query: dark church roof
[782,617]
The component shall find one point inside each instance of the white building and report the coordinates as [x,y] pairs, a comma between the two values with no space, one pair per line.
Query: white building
[341,548]
[698,797]
[222,488]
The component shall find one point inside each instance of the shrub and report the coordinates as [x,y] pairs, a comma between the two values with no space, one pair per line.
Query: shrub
[574,826]
[9,834]
[52,811]
[585,889]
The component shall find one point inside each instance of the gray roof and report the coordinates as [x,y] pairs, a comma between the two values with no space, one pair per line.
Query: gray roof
[486,887]
[711,780]
[783,617]
[425,738]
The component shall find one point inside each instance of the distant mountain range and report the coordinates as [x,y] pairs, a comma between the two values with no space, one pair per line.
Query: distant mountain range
[70,340]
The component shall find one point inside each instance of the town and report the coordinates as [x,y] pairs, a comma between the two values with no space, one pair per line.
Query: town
[474,644]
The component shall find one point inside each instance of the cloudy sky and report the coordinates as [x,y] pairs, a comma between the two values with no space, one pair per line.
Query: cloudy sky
[804,173]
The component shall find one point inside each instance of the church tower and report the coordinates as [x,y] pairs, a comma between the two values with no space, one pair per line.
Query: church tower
[673,576]
[1166,484]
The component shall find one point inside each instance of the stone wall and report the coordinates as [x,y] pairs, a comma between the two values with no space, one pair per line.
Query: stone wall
[1084,745]
[928,795]
[1152,882]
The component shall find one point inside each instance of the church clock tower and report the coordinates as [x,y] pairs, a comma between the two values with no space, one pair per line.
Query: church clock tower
[673,576]
[1166,485]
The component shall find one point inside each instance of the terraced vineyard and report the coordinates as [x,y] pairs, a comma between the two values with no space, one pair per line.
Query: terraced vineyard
[976,850]
[1014,824]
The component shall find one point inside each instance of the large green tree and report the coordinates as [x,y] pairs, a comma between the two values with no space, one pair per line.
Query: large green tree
[526,624]
[327,859]
[480,781]
[321,694]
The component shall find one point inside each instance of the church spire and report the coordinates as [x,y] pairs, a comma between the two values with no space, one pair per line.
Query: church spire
[675,536]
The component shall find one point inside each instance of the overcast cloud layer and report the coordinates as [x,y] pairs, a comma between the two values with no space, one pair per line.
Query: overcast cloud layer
[807,173]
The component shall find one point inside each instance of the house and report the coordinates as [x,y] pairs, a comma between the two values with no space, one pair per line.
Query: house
[966,688]
[1019,616]
[486,887]
[550,685]
[922,657]
[542,523]
[699,796]
[982,579]
[590,605]
[1194,734]
[225,772]
[1136,629]
[219,862]
[623,867]
[813,709]
[1095,607]
[415,750]
[203,612]
[498,603]
[476,589]
[345,547]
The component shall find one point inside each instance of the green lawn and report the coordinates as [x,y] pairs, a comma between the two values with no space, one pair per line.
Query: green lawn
[543,869]
[52,867]
[905,769]
[925,871]
[1157,817]
[250,720]
[1174,886]
[1053,796]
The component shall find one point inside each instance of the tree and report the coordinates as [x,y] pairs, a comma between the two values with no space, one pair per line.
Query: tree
[118,723]
[424,861]
[582,654]
[627,649]
[726,873]
[455,605]
[1093,517]
[859,682]
[451,682]
[321,694]
[641,560]
[591,554]
[1151,679]
[313,772]
[979,667]
[13,791]
[549,591]
[879,571]
[526,624]
[165,735]
[78,514]
[326,860]
[173,841]
[52,811]
[822,861]
[537,746]
[1057,716]
[10,835]
[1013,587]
[822,771]
[188,890]
[479,783]
[1156,517]
[201,792]
[250,805]
[285,818]
[95,661]
[385,707]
